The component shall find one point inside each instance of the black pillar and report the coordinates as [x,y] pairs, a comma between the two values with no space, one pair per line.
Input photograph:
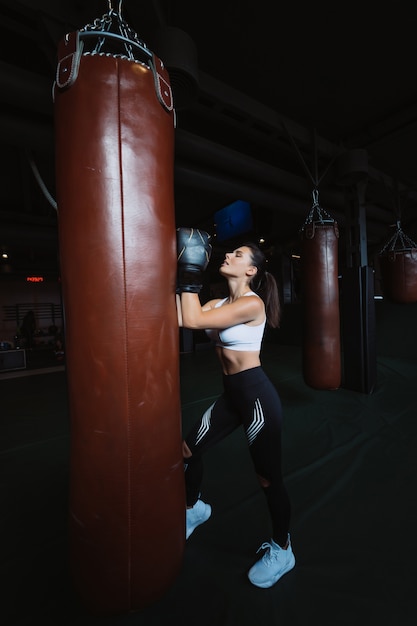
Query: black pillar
[357,301]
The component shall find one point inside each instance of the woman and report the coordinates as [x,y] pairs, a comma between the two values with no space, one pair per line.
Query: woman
[236,325]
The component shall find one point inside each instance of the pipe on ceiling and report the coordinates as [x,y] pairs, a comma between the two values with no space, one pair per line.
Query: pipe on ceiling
[222,184]
[207,153]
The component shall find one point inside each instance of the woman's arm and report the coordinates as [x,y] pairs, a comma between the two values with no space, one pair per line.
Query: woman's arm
[209,305]
[243,310]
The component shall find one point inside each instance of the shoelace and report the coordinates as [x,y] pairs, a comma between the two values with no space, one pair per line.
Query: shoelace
[271,555]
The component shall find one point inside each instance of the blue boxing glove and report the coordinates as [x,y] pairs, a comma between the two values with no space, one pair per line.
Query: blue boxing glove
[193,256]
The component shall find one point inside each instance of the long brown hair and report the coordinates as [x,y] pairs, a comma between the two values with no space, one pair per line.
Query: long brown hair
[264,284]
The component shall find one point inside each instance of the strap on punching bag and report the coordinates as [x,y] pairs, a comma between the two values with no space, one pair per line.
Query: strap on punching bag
[110,32]
[114,133]
[320,299]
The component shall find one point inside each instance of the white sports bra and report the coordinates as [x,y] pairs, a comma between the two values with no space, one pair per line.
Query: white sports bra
[240,337]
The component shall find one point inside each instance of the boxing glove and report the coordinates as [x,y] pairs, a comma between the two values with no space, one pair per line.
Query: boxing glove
[193,256]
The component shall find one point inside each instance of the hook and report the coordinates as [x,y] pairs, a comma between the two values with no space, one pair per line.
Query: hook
[111,10]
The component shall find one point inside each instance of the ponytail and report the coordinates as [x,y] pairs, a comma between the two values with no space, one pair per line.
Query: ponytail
[270,295]
[265,285]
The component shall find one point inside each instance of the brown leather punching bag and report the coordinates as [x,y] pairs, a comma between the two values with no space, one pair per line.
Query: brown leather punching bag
[399,275]
[320,304]
[398,263]
[114,122]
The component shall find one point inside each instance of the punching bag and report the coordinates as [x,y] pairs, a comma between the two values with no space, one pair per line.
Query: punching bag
[399,275]
[114,126]
[320,301]
[398,263]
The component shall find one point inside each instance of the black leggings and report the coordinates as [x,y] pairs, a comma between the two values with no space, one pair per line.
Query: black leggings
[251,400]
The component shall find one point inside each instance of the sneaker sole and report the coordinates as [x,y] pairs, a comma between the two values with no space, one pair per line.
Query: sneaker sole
[275,579]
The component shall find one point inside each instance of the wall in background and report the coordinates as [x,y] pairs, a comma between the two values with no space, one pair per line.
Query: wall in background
[17,295]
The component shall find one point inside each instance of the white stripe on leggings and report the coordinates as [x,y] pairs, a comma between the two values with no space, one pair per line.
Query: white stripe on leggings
[205,424]
[257,422]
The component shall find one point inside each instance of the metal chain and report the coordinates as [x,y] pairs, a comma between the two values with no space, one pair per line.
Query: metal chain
[317,213]
[399,242]
[113,23]
[98,24]
[111,6]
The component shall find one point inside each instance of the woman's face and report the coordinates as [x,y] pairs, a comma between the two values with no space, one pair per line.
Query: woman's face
[237,263]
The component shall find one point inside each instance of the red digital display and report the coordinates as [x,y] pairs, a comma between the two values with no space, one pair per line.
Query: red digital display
[34,279]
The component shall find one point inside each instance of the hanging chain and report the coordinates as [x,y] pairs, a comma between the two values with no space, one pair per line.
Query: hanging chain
[111,6]
[399,242]
[115,27]
[317,213]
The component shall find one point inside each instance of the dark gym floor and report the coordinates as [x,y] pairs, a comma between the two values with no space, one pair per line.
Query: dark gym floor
[350,463]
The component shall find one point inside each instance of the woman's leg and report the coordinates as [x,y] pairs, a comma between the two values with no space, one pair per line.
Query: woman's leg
[216,423]
[260,410]
[266,456]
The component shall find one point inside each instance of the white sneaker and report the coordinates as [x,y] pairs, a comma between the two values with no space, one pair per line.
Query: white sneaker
[197,515]
[275,563]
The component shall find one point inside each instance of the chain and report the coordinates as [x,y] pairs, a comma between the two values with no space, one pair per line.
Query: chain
[113,24]
[317,213]
[398,242]
[99,23]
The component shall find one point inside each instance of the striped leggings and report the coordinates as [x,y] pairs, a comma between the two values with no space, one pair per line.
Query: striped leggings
[251,400]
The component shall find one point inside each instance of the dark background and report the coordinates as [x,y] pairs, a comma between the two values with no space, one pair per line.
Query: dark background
[269,96]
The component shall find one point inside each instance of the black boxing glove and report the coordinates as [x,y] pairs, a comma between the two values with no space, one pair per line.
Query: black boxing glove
[193,256]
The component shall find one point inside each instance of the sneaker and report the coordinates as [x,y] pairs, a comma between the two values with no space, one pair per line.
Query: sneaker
[275,563]
[197,515]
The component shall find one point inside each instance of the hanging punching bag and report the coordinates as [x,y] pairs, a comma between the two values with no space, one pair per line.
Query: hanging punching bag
[320,301]
[398,263]
[399,275]
[114,123]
